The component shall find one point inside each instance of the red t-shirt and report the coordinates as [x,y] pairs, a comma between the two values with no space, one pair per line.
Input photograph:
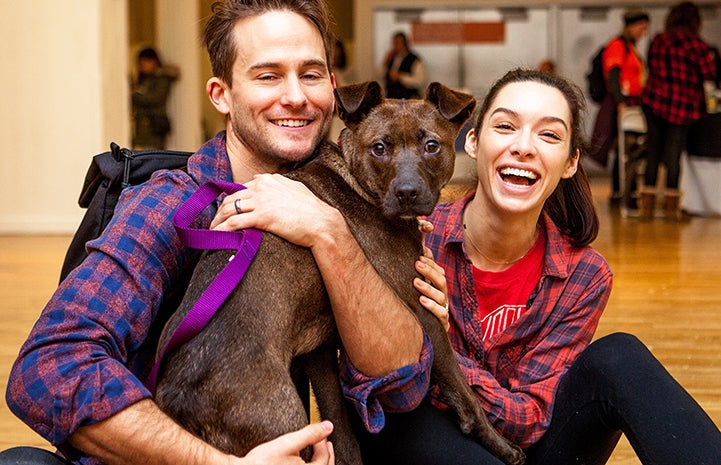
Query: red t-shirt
[502,295]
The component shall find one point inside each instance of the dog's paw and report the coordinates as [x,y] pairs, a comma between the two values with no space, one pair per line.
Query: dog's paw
[513,456]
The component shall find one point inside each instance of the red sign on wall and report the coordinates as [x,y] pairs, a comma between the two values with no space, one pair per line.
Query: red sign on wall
[458,33]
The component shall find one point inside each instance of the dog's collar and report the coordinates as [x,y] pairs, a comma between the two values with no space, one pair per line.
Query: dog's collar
[245,242]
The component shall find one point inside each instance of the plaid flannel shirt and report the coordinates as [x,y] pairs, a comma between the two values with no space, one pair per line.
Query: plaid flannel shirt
[515,373]
[95,341]
[678,64]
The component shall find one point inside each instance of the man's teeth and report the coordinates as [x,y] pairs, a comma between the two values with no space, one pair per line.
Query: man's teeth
[291,123]
[518,172]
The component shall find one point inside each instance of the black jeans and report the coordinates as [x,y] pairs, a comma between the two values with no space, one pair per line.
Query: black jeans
[665,143]
[615,386]
[30,456]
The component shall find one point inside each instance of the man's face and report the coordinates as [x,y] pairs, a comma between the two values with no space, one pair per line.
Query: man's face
[281,100]
[638,29]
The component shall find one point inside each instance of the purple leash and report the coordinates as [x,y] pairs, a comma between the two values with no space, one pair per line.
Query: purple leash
[245,243]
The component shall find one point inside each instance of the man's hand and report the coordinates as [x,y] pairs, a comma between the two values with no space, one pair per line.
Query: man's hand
[285,450]
[274,203]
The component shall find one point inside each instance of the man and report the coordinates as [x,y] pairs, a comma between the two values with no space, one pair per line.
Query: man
[404,71]
[625,77]
[78,378]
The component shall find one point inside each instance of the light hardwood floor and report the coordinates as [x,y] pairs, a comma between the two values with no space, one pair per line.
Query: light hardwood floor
[667,291]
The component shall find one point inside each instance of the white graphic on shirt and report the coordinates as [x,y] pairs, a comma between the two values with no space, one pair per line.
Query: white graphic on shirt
[500,319]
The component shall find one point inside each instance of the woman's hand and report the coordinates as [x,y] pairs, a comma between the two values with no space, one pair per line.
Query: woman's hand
[285,450]
[433,289]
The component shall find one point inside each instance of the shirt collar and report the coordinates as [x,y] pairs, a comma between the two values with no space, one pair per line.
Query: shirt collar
[211,162]
[558,248]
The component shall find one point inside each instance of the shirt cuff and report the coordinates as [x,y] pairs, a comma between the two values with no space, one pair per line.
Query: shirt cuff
[399,391]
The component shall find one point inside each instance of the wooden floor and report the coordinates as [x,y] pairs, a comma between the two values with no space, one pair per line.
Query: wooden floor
[667,292]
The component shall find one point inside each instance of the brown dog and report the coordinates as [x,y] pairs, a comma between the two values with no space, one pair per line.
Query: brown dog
[232,384]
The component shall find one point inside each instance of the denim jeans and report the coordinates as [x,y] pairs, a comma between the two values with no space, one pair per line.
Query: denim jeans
[30,456]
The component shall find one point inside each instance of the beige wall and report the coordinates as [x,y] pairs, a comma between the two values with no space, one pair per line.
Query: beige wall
[65,81]
[63,70]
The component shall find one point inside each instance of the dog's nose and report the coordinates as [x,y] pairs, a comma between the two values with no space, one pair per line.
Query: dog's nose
[406,194]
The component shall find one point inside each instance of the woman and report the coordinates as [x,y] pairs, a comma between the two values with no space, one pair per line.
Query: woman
[679,62]
[526,293]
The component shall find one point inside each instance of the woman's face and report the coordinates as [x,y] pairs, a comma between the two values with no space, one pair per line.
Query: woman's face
[523,147]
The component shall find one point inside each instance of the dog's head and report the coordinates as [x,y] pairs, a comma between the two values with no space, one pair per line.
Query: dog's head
[402,151]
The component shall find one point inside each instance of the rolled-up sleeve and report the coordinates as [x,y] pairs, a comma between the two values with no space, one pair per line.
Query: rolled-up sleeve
[399,391]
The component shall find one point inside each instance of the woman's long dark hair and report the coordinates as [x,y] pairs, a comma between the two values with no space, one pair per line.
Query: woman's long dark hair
[570,206]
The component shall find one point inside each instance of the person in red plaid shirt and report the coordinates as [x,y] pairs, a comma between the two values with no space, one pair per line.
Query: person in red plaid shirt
[526,292]
[679,62]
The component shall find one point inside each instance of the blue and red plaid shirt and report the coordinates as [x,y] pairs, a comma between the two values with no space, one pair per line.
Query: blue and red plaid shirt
[95,341]
[678,64]
[516,372]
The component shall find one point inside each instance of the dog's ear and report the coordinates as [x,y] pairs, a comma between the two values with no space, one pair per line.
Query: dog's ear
[455,106]
[355,101]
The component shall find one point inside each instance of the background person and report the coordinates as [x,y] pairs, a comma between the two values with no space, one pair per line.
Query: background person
[404,71]
[151,89]
[625,77]
[679,62]
[526,292]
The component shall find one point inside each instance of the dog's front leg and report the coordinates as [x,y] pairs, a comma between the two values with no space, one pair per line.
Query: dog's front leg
[322,369]
[459,396]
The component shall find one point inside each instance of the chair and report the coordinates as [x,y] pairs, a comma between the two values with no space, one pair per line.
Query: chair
[631,155]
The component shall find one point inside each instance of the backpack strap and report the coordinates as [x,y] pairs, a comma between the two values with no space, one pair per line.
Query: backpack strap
[245,242]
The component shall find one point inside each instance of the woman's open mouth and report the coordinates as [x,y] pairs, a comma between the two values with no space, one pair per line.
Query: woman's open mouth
[517,176]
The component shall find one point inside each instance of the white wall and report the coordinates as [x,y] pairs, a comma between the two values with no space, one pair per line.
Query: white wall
[559,32]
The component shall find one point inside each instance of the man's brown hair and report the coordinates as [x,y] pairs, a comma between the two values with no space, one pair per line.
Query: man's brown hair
[219,40]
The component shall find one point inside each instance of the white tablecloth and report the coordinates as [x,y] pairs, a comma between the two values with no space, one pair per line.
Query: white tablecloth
[700,184]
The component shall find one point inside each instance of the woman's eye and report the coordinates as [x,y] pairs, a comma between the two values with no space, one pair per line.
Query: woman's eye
[551,135]
[432,147]
[378,149]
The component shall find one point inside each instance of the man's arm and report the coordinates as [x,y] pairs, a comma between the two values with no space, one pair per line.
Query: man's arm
[380,334]
[142,433]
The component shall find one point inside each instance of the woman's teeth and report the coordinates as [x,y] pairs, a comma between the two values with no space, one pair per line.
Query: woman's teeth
[518,176]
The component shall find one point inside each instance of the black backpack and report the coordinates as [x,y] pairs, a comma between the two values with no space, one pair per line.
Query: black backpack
[597,88]
[110,173]
[596,82]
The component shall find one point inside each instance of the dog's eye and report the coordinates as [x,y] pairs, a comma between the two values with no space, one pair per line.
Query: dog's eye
[378,149]
[432,147]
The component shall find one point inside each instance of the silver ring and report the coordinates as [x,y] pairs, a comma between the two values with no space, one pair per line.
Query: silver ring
[236,204]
